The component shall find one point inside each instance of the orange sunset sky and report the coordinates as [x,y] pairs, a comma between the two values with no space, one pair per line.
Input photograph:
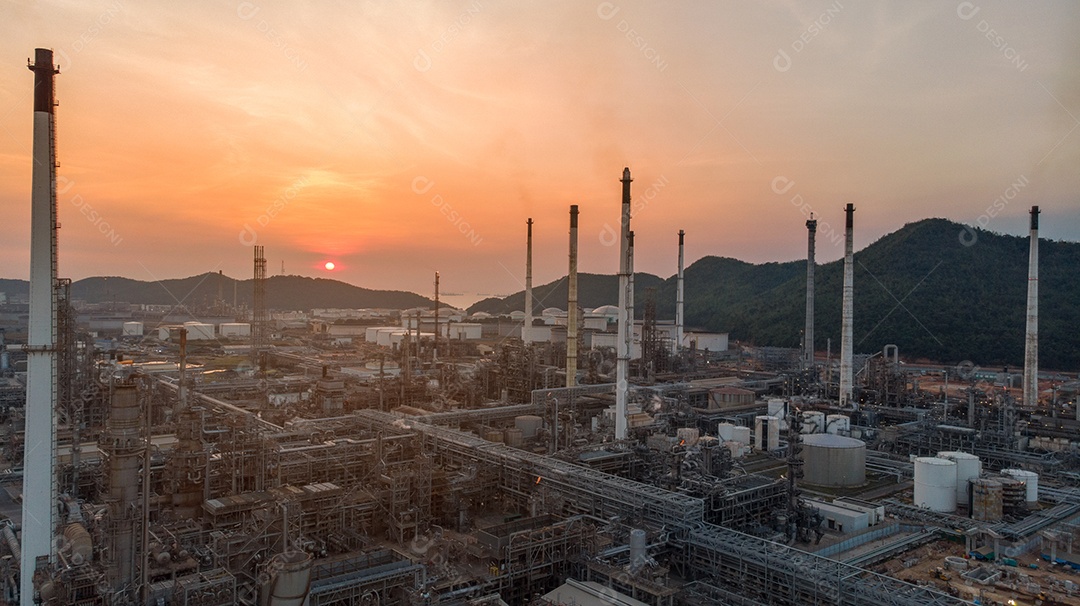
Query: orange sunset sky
[399,139]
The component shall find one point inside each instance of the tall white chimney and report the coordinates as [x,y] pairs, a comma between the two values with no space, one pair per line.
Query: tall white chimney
[1031,336]
[679,318]
[39,478]
[572,304]
[847,318]
[526,328]
[808,332]
[622,366]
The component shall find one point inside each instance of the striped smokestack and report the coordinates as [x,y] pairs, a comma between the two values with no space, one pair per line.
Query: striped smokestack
[808,332]
[847,317]
[39,479]
[1031,335]
[526,328]
[572,304]
[622,366]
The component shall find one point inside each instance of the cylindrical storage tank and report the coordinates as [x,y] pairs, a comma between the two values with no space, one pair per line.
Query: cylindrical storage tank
[935,484]
[986,500]
[774,433]
[494,435]
[1013,495]
[777,407]
[838,424]
[688,435]
[726,431]
[82,547]
[813,421]
[292,579]
[529,425]
[514,437]
[741,433]
[831,460]
[1031,483]
[761,428]
[968,467]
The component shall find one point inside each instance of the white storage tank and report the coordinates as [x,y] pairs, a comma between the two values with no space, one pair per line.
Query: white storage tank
[133,329]
[198,331]
[838,424]
[741,433]
[234,330]
[1030,480]
[935,484]
[968,467]
[777,407]
[831,460]
[813,421]
[766,432]
[726,431]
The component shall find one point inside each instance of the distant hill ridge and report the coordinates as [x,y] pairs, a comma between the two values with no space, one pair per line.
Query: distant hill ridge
[935,288]
[282,292]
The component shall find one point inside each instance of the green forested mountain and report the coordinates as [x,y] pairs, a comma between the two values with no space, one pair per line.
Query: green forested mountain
[594,290]
[920,287]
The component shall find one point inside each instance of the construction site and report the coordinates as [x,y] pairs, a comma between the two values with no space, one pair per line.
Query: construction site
[593,457]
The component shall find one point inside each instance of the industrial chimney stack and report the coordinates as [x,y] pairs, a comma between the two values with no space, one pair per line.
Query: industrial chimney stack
[526,328]
[572,304]
[1031,337]
[39,479]
[847,317]
[808,332]
[626,330]
[679,318]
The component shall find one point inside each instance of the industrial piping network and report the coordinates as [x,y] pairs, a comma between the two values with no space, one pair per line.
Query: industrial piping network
[764,570]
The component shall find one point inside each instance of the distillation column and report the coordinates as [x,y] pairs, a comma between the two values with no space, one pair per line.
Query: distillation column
[572,304]
[847,318]
[39,479]
[123,445]
[1031,335]
[626,330]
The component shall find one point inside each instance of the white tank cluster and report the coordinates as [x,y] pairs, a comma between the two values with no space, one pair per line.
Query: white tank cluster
[968,468]
[935,484]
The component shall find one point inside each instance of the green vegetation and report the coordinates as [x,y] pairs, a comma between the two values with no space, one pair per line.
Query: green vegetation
[920,287]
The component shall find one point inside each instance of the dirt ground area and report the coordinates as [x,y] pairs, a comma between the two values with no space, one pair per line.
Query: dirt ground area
[1021,585]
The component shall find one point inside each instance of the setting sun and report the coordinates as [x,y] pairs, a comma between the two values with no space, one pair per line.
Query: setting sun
[329,265]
